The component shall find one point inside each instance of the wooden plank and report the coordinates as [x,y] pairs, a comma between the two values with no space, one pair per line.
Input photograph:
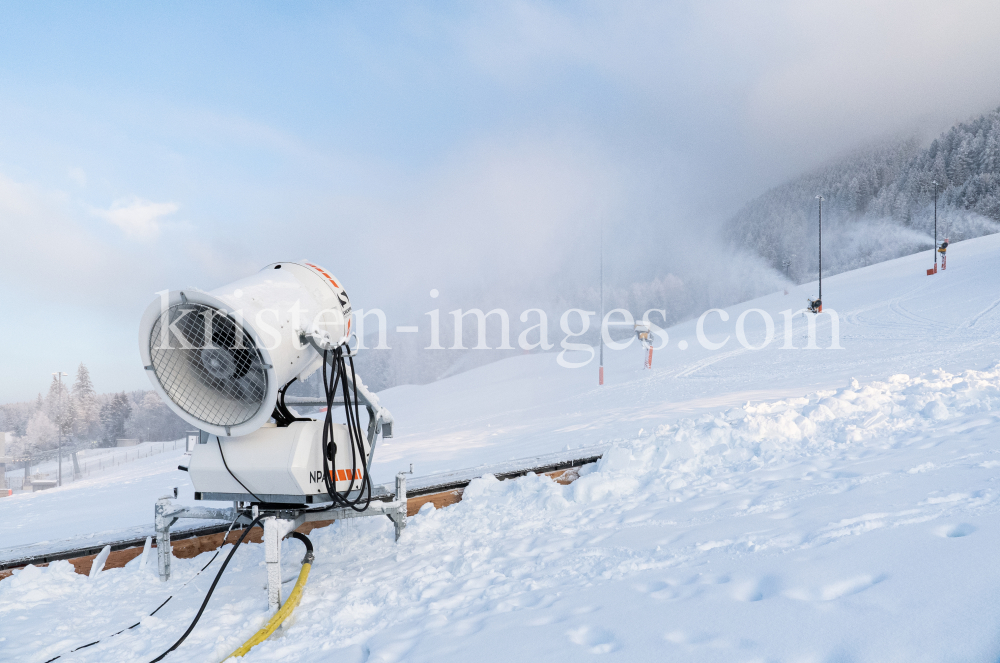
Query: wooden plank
[449,497]
[547,464]
[194,546]
[439,500]
[428,485]
[116,560]
[42,560]
[565,477]
[305,528]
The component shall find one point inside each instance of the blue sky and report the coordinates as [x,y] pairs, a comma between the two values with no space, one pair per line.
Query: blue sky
[416,145]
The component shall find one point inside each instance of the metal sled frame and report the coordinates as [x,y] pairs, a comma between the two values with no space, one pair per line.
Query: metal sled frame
[278,523]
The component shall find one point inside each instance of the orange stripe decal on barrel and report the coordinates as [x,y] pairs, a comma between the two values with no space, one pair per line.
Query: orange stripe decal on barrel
[324,273]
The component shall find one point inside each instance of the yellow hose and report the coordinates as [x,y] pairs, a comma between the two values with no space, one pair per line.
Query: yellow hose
[280,616]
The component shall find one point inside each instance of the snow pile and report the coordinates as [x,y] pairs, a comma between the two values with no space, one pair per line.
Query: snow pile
[696,452]
[754,533]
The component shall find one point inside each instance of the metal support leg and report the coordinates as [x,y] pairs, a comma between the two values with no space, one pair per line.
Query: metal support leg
[162,523]
[399,521]
[272,559]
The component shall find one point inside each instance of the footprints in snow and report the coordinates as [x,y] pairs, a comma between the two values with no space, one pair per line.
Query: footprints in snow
[683,638]
[670,589]
[770,586]
[757,589]
[955,531]
[595,639]
[836,590]
[763,587]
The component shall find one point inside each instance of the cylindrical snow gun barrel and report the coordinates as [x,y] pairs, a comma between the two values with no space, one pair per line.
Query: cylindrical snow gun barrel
[219,358]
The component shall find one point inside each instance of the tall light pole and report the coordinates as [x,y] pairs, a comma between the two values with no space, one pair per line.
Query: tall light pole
[820,199]
[936,185]
[62,416]
[600,326]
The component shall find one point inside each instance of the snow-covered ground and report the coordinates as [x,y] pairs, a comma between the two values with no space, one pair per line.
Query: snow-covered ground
[773,505]
[95,461]
[116,504]
[893,318]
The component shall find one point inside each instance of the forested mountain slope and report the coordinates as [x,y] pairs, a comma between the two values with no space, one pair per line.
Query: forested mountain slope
[879,203]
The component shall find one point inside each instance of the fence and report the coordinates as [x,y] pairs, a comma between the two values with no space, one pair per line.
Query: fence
[106,461]
[116,459]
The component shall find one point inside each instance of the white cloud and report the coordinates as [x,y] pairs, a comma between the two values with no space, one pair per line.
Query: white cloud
[750,93]
[137,217]
[79,176]
[60,263]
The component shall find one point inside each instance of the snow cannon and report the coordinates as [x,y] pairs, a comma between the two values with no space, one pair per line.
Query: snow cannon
[222,361]
[644,333]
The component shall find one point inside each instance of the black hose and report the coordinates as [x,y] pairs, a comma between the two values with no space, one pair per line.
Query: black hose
[329,446]
[338,377]
[360,438]
[282,415]
[211,589]
[308,559]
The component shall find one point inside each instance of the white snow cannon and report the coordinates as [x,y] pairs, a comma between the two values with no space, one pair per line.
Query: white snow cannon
[222,361]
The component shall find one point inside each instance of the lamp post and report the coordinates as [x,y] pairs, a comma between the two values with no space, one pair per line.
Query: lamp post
[936,185]
[62,416]
[820,199]
[787,264]
[600,376]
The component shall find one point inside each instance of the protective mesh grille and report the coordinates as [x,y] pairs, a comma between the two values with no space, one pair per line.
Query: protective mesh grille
[207,365]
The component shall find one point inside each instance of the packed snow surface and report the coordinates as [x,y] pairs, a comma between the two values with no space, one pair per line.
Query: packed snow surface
[771,505]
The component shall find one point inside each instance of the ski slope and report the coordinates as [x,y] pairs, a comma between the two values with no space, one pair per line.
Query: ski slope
[756,505]
[893,318]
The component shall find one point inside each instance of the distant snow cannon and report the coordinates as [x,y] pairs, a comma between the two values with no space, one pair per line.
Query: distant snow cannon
[222,361]
[644,333]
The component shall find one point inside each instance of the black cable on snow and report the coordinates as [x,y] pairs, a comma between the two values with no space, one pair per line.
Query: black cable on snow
[90,644]
[211,589]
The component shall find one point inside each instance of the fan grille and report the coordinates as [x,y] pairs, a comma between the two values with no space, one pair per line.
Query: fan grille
[221,379]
